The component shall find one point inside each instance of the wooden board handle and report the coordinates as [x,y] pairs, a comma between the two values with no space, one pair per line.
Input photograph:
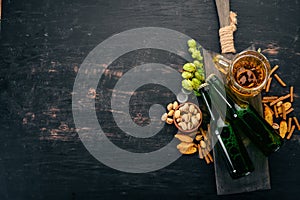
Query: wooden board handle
[223,7]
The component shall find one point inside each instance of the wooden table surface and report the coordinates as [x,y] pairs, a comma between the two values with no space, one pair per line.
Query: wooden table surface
[42,45]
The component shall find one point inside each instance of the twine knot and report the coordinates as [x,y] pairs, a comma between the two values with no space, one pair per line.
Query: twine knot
[226,35]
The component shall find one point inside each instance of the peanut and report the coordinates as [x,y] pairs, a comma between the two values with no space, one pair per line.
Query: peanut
[164,117]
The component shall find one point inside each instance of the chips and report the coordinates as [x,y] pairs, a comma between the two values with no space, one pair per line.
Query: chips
[286,105]
[283,128]
[183,138]
[281,107]
[268,115]
[187,148]
[201,143]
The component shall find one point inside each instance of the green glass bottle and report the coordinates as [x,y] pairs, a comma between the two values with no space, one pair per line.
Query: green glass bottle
[243,116]
[234,152]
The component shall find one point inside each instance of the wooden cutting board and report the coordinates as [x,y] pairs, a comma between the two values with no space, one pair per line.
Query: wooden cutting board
[260,178]
[257,180]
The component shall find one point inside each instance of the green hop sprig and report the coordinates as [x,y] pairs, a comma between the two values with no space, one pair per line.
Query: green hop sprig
[193,73]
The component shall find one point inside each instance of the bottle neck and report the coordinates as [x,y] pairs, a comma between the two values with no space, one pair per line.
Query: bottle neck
[206,99]
[219,89]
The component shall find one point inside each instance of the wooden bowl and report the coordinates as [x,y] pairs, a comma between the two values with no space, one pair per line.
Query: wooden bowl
[183,119]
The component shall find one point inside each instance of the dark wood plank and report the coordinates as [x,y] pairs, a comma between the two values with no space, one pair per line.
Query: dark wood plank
[39,36]
[257,180]
[0,9]
[223,7]
[260,178]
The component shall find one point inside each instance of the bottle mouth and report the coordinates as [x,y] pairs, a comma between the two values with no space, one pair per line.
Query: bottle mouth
[182,98]
[203,85]
[247,173]
[277,149]
[211,76]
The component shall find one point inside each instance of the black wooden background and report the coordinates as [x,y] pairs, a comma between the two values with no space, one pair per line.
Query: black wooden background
[43,42]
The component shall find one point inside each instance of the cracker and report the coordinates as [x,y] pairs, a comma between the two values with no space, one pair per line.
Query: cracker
[280,81]
[291,132]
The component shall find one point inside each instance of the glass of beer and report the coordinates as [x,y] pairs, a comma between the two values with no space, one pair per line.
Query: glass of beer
[247,73]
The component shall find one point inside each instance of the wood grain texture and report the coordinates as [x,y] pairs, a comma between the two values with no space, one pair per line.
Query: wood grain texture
[0,9]
[257,180]
[42,45]
[223,7]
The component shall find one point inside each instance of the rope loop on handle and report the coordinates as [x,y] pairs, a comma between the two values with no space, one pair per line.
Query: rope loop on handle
[226,35]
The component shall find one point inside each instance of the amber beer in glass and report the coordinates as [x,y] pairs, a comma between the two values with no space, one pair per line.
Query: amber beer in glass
[246,74]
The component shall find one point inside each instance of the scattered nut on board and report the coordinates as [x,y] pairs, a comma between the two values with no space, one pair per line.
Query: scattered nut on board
[275,126]
[168,116]
[187,117]
[175,105]
[169,106]
[164,117]
[169,121]
[193,142]
[177,114]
